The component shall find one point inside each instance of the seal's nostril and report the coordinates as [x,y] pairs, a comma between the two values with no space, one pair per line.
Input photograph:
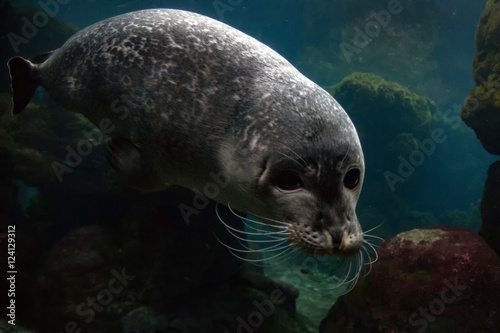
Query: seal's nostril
[319,217]
[336,237]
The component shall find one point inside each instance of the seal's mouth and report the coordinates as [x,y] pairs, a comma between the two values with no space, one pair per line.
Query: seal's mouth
[340,250]
[325,243]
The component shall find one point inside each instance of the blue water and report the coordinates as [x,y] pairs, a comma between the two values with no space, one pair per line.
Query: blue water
[308,34]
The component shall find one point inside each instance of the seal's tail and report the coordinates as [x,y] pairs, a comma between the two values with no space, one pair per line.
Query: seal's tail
[24,80]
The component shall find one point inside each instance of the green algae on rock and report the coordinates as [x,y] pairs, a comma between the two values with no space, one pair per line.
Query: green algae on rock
[373,104]
[481,111]
[369,94]
[433,280]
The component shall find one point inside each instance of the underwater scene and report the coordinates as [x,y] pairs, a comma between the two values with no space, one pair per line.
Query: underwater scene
[175,166]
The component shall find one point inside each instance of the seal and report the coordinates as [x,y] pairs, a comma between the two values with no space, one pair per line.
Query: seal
[187,100]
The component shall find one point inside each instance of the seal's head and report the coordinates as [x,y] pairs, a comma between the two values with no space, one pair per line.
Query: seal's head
[315,189]
[306,175]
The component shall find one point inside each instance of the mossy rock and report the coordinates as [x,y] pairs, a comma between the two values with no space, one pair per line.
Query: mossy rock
[372,101]
[403,143]
[385,114]
[487,37]
[481,111]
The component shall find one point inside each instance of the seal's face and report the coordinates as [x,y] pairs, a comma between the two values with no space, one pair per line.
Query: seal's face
[301,175]
[316,193]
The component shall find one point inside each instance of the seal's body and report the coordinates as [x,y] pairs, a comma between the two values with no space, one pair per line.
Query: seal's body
[187,99]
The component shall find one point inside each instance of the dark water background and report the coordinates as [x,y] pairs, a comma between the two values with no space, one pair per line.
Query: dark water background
[428,48]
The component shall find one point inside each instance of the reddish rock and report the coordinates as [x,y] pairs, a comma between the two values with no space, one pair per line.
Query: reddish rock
[443,279]
[79,275]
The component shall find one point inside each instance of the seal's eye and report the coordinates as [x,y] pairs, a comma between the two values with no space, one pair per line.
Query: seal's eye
[288,180]
[351,178]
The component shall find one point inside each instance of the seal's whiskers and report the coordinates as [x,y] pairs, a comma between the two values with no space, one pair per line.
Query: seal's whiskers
[369,263]
[373,249]
[276,240]
[267,233]
[284,224]
[284,248]
[358,266]
[341,164]
[275,247]
[281,224]
[355,264]
[374,237]
[302,162]
[363,260]
[231,232]
[278,259]
[366,233]
[260,233]
[289,256]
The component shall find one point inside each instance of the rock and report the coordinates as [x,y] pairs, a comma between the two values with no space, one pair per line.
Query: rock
[404,116]
[392,155]
[154,272]
[248,303]
[83,282]
[369,95]
[490,208]
[443,279]
[38,144]
[481,111]
[10,212]
[143,320]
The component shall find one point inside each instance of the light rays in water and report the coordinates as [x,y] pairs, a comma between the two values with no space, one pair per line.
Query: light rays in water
[270,244]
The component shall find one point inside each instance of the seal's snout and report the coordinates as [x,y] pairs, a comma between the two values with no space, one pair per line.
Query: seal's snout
[341,241]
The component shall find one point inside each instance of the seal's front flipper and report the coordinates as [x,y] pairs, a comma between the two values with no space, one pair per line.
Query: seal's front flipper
[24,79]
[128,161]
